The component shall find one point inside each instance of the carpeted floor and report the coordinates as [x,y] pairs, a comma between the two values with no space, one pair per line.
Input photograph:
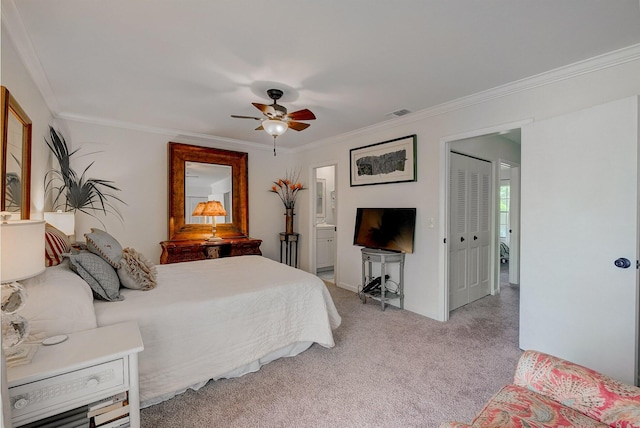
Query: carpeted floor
[388,369]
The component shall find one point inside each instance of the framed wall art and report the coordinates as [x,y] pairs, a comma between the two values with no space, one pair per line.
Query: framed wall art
[392,161]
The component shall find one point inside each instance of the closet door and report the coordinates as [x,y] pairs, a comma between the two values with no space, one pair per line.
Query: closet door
[469,234]
[579,214]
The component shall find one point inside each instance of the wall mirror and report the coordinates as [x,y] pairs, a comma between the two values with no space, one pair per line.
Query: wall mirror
[197,174]
[207,182]
[321,190]
[15,158]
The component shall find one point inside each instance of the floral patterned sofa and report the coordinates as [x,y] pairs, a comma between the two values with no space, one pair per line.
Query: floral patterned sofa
[550,392]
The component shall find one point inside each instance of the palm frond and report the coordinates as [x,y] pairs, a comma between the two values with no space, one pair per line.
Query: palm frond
[77,192]
[13,192]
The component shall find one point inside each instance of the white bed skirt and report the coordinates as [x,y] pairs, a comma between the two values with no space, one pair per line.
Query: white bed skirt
[254,366]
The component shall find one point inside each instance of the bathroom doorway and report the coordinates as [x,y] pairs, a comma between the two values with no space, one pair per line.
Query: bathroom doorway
[325,222]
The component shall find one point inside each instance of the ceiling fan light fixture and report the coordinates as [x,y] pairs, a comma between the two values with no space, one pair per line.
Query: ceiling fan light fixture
[275,127]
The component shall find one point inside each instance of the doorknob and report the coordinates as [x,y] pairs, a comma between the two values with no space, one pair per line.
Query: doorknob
[462,239]
[622,263]
[475,238]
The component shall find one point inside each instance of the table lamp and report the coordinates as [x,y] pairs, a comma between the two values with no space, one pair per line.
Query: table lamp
[213,209]
[197,211]
[21,256]
[63,221]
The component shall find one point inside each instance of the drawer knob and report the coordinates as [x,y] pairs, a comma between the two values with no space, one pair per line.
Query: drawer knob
[92,383]
[20,403]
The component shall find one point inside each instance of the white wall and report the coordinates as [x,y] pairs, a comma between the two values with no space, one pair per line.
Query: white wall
[16,79]
[137,162]
[424,269]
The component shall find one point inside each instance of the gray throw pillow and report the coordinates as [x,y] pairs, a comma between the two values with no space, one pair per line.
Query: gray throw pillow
[98,273]
[106,246]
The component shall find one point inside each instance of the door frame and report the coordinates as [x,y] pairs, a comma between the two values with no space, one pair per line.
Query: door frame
[311,245]
[514,212]
[443,251]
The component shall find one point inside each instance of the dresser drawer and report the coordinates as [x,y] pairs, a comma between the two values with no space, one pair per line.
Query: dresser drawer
[188,251]
[246,249]
[42,394]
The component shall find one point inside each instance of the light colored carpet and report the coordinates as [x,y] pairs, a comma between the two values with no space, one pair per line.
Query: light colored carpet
[388,369]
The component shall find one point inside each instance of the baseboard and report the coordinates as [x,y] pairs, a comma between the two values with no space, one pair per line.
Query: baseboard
[348,287]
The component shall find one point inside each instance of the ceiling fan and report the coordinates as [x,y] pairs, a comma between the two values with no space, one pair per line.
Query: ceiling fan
[276,120]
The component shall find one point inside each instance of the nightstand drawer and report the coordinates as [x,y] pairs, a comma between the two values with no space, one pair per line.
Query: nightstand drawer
[66,388]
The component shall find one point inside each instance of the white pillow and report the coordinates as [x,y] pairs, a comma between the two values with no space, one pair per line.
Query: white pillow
[58,302]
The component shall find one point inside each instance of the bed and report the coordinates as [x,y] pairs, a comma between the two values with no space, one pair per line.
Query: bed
[204,320]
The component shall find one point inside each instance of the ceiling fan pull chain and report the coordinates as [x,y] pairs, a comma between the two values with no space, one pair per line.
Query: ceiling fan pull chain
[274,145]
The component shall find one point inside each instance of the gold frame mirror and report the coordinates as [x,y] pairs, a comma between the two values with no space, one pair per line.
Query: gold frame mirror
[179,155]
[15,192]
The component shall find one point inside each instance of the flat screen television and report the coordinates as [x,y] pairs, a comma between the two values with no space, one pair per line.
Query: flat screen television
[389,229]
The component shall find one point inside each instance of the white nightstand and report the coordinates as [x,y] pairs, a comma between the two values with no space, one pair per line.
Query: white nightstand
[88,366]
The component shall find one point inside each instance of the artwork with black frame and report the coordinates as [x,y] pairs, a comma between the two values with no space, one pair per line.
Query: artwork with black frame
[392,161]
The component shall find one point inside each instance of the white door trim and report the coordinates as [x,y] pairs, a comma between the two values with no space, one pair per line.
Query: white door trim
[443,200]
[514,213]
[311,245]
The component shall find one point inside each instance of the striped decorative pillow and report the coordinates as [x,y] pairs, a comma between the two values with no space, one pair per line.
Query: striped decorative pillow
[55,243]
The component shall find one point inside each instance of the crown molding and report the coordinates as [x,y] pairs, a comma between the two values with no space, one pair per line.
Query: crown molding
[172,133]
[591,65]
[12,21]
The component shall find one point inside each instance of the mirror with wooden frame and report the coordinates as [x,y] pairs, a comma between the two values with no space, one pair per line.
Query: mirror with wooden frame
[15,158]
[227,181]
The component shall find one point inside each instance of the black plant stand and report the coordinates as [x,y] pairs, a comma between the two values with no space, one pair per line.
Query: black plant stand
[289,246]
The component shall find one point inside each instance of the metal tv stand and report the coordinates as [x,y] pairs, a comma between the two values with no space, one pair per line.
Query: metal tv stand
[370,256]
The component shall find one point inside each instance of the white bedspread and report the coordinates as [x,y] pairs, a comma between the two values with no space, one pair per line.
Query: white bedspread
[208,318]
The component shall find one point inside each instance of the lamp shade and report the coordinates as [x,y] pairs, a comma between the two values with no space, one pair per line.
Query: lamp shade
[63,221]
[275,127]
[214,208]
[197,211]
[21,249]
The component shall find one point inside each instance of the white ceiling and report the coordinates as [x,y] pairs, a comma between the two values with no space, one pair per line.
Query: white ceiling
[187,65]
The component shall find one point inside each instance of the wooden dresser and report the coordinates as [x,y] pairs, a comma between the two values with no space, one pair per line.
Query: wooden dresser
[191,250]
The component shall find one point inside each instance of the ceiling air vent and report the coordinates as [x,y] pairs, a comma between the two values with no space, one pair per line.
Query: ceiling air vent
[398,113]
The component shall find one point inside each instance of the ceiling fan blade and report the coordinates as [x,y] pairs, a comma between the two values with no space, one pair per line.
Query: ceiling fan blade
[259,128]
[305,114]
[262,107]
[298,126]
[246,117]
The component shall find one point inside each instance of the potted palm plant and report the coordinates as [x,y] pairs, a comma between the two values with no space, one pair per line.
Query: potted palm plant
[77,192]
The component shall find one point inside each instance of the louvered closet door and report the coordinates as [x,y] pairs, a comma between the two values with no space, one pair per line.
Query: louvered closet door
[469,244]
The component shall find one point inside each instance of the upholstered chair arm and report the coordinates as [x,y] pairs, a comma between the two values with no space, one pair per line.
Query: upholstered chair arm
[580,388]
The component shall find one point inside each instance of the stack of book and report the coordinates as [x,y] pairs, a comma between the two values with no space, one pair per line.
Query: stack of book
[112,412]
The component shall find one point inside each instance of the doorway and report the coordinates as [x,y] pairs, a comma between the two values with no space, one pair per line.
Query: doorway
[482,263]
[324,221]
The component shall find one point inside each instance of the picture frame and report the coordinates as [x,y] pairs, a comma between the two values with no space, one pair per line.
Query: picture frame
[392,161]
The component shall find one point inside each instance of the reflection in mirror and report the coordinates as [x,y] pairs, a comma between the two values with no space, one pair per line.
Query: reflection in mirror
[321,189]
[15,158]
[207,182]
[13,191]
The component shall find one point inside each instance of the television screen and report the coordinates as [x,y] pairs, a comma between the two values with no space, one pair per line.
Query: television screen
[385,228]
